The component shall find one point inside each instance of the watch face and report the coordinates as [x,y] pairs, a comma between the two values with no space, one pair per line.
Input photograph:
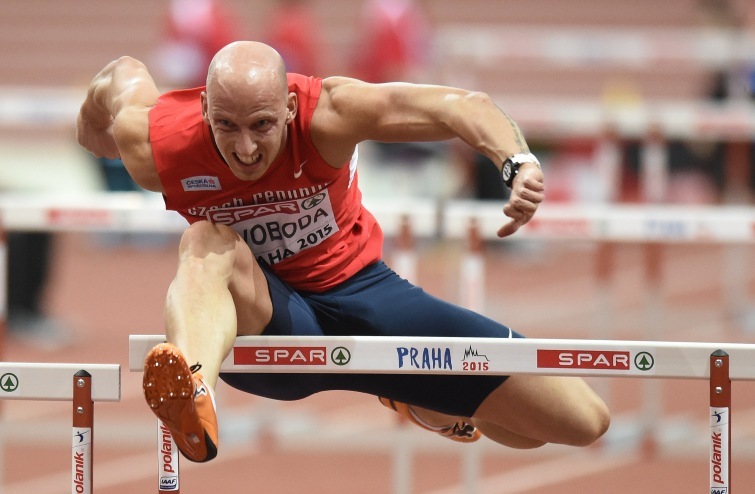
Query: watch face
[506,171]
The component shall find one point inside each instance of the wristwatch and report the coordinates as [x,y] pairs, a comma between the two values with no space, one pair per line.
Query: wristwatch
[510,167]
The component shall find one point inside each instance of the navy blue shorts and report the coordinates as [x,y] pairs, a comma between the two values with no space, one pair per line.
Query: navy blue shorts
[375,302]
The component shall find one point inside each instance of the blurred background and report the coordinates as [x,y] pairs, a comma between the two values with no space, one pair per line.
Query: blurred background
[640,103]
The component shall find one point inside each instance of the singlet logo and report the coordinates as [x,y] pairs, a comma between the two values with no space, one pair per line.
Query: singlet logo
[202,182]
[297,173]
[278,230]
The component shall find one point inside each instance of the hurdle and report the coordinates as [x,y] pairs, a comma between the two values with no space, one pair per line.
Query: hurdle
[649,226]
[719,363]
[82,385]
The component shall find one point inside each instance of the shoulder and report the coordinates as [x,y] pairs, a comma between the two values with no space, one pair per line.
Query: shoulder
[173,105]
[332,128]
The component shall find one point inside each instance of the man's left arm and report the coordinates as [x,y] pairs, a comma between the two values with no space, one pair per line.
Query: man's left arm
[355,111]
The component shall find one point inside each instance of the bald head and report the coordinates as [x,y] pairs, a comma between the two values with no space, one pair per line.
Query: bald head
[244,63]
[248,107]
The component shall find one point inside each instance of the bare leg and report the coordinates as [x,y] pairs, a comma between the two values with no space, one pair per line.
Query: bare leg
[550,409]
[529,411]
[218,293]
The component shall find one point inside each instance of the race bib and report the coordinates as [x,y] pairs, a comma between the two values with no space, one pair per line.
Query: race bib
[278,230]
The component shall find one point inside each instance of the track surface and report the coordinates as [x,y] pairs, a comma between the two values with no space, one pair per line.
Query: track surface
[342,443]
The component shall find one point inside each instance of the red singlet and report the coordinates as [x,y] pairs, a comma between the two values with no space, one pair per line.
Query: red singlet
[304,218]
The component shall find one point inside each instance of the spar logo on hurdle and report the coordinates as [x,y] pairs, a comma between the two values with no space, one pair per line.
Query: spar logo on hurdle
[280,355]
[604,360]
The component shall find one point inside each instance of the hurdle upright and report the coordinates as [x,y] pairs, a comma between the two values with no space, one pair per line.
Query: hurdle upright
[82,385]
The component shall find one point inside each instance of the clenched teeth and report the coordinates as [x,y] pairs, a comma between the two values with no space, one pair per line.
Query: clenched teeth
[249,161]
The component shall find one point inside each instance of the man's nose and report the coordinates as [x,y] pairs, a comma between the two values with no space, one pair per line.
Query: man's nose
[246,145]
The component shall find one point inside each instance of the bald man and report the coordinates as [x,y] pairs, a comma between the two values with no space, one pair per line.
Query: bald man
[263,165]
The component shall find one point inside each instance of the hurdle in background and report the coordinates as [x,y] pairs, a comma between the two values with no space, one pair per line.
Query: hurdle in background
[649,226]
[82,384]
[718,363]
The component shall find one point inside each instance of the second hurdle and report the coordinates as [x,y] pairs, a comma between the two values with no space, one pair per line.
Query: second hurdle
[82,384]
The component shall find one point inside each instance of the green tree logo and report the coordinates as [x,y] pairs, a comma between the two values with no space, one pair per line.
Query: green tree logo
[644,361]
[8,382]
[340,355]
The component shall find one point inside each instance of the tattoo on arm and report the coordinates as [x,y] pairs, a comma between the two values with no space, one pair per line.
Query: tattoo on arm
[518,137]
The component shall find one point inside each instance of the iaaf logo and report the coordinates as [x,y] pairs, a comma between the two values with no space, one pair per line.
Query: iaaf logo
[280,355]
[230,216]
[168,483]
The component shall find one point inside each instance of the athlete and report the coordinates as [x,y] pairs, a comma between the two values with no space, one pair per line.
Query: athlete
[263,165]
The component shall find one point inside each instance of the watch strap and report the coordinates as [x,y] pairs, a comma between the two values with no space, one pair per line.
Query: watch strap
[510,167]
[521,158]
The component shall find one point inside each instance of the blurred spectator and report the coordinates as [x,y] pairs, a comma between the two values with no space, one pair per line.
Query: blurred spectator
[725,18]
[28,273]
[731,165]
[395,42]
[194,30]
[293,32]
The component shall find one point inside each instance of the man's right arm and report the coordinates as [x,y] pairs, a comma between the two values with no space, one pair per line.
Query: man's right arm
[114,119]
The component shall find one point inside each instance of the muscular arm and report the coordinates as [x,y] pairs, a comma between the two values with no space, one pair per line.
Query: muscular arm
[114,119]
[352,111]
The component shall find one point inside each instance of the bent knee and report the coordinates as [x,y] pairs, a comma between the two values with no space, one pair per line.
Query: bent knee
[203,237]
[213,250]
[590,427]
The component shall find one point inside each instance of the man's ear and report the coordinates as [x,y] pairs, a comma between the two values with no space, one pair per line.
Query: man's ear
[292,106]
[205,108]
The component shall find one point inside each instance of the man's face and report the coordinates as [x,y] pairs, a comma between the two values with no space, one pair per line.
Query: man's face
[249,126]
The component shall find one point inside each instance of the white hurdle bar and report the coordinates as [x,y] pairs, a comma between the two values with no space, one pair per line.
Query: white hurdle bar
[720,363]
[82,384]
[610,223]
[491,356]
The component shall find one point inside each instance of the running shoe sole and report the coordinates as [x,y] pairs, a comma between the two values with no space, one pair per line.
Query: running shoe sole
[170,390]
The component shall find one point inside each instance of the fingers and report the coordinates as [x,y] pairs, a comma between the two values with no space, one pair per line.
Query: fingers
[509,228]
[525,198]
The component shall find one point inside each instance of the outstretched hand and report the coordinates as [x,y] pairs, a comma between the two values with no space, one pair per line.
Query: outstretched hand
[527,193]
